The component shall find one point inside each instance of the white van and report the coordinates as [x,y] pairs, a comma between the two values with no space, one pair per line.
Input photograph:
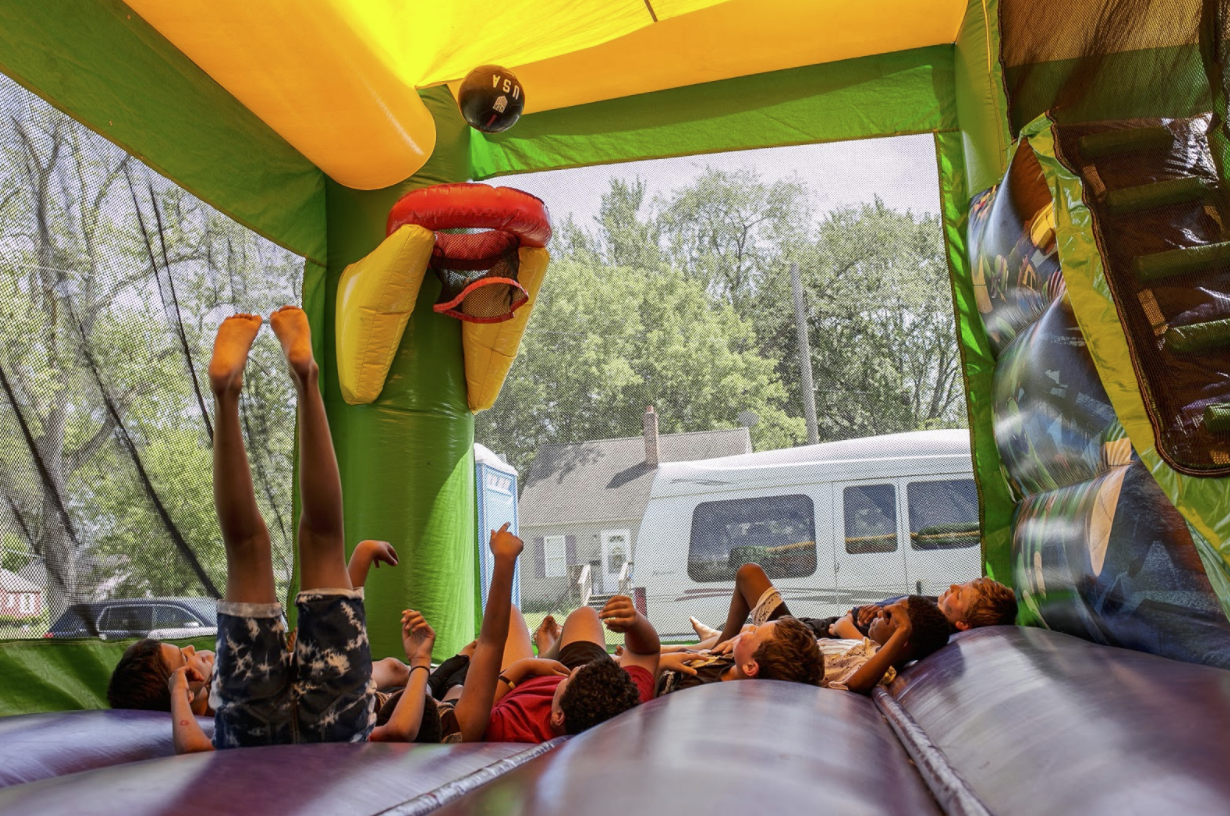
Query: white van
[834,525]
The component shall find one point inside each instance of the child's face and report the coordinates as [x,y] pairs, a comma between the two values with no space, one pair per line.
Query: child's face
[884,624]
[956,601]
[879,630]
[750,641]
[203,662]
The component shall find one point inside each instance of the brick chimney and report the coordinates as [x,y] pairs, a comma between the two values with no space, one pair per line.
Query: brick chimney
[650,432]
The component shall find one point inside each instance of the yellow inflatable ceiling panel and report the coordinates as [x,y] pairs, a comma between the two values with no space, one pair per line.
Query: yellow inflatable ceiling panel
[738,38]
[337,78]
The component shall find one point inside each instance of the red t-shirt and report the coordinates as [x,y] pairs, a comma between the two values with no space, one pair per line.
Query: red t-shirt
[524,714]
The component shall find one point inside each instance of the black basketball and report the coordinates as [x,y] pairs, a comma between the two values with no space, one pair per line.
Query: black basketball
[491,99]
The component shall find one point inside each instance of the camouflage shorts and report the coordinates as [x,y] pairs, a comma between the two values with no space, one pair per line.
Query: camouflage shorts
[265,694]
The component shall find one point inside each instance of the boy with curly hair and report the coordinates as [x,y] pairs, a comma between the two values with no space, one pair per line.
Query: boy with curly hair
[976,603]
[980,602]
[538,699]
[778,646]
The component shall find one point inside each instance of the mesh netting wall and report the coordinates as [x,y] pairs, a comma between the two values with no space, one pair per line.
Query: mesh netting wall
[670,286]
[1091,60]
[112,282]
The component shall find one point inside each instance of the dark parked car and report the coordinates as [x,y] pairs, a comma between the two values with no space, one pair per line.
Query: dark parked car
[137,618]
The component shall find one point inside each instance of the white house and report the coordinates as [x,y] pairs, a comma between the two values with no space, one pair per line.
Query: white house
[20,599]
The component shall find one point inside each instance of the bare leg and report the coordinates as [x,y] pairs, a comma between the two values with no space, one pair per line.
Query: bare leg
[583,623]
[249,560]
[322,546]
[517,646]
[703,632]
[750,583]
[390,673]
[546,637]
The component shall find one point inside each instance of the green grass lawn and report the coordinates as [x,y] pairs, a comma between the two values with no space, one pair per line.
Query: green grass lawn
[532,619]
[27,628]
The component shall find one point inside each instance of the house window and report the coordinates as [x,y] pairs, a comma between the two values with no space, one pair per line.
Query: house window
[871,519]
[27,602]
[943,515]
[555,556]
[776,532]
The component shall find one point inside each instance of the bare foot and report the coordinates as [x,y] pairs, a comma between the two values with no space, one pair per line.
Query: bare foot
[703,632]
[547,633]
[231,346]
[290,324]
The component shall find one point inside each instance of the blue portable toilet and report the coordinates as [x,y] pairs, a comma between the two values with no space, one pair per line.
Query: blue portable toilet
[497,503]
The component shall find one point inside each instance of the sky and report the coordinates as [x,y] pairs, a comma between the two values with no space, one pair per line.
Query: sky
[901,170]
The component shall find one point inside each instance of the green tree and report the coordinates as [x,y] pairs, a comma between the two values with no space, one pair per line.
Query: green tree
[880,324]
[628,240]
[605,342]
[112,281]
[731,231]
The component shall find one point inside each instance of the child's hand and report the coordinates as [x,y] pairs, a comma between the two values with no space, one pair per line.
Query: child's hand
[866,614]
[504,544]
[379,552]
[183,682]
[677,661]
[619,614]
[417,638]
[898,616]
[725,647]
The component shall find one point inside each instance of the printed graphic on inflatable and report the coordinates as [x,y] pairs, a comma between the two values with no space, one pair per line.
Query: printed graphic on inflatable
[1112,561]
[1099,551]
[1012,249]
[1153,191]
[1054,424]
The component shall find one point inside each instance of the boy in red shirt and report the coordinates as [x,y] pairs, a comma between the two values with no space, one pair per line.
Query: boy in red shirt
[538,699]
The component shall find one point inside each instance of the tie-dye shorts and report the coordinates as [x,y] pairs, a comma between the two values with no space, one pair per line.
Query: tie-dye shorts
[265,694]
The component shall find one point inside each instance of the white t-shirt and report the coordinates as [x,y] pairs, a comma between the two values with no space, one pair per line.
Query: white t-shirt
[842,658]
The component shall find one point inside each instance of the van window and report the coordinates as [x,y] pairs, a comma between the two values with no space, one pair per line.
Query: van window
[943,515]
[871,519]
[776,532]
[173,617]
[128,619]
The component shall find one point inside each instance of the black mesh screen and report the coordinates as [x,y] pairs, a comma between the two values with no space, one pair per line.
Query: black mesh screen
[112,282]
[1090,60]
[478,275]
[670,286]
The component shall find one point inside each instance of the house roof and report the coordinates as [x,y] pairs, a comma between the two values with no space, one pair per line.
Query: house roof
[12,582]
[607,479]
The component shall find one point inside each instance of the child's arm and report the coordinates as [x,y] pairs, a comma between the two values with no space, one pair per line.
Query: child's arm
[417,637]
[473,709]
[868,674]
[677,662]
[641,645]
[185,730]
[526,668]
[365,554]
[845,628]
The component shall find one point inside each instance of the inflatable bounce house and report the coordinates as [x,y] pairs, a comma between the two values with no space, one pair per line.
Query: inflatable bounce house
[1082,150]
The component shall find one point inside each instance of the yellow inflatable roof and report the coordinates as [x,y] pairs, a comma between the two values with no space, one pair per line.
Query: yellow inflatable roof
[338,78]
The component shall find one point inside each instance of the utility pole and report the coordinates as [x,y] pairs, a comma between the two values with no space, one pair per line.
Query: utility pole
[809,389]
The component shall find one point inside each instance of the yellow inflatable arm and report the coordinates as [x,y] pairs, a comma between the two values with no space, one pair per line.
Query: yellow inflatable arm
[375,297]
[490,348]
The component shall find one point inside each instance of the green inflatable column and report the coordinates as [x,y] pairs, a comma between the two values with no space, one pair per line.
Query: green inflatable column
[407,459]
